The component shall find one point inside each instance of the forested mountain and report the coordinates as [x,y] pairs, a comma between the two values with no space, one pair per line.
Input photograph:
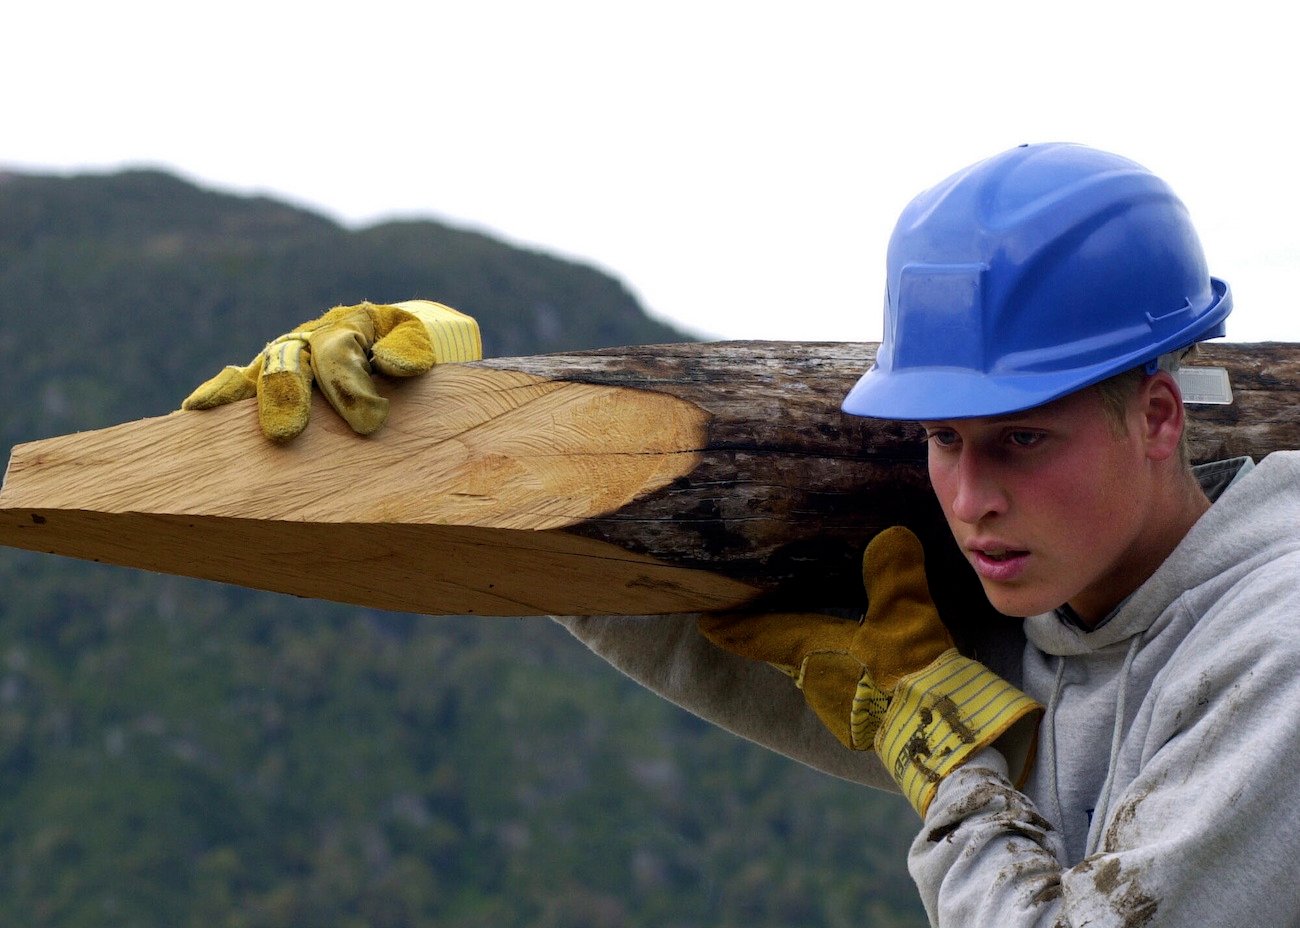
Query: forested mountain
[178,753]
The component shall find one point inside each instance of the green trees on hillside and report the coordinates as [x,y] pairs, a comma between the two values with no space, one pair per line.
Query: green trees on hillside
[176,753]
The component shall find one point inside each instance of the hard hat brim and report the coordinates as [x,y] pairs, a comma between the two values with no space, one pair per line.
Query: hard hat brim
[935,393]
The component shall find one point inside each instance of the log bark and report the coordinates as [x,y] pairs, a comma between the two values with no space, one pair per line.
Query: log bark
[628,481]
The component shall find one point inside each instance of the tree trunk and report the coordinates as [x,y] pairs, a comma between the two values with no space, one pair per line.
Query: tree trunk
[660,479]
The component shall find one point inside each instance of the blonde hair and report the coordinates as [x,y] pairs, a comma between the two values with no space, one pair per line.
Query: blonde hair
[1116,391]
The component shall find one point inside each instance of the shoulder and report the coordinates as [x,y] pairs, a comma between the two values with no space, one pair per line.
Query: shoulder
[1242,631]
[1266,494]
[1239,568]
[1256,597]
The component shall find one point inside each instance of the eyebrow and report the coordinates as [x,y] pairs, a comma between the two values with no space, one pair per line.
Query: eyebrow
[1003,419]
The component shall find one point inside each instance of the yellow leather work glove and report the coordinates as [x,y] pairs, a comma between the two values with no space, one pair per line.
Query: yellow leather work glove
[894,680]
[337,352]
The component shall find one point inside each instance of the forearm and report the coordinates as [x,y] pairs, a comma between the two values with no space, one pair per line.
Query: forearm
[667,655]
[1210,846]
[985,857]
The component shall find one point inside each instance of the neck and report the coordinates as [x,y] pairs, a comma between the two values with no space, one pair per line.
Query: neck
[1176,506]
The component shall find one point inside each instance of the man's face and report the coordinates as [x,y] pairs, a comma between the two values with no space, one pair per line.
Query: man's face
[1050,506]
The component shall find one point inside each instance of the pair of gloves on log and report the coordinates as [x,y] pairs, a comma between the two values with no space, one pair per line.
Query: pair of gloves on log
[892,682]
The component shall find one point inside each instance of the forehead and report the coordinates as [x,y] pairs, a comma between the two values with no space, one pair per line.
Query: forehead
[1078,406]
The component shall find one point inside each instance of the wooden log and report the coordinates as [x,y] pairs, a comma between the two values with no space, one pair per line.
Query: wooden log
[629,481]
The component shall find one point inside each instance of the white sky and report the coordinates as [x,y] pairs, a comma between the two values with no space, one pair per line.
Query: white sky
[738,165]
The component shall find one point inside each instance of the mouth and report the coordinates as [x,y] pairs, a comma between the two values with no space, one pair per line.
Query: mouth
[997,562]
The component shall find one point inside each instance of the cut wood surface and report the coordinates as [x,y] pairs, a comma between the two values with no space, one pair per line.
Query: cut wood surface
[659,479]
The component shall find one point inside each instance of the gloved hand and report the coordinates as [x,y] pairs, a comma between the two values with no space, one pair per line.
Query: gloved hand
[893,681]
[337,350]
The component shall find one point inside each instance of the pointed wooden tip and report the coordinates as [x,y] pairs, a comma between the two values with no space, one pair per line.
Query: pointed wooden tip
[455,506]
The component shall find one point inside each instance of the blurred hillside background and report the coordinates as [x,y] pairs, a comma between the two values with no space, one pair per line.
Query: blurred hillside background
[177,753]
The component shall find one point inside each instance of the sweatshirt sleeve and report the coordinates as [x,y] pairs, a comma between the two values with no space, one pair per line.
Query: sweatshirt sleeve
[668,655]
[1204,834]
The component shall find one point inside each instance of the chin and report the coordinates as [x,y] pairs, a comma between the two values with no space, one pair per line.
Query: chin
[1019,603]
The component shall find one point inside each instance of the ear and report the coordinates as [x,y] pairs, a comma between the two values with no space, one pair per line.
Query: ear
[1160,404]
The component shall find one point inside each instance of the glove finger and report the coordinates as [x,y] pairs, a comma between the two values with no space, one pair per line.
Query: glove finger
[405,351]
[284,387]
[784,639]
[837,689]
[232,384]
[357,317]
[338,360]
[902,631]
[870,704]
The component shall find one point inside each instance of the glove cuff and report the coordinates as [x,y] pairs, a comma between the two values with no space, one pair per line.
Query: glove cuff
[455,336]
[946,712]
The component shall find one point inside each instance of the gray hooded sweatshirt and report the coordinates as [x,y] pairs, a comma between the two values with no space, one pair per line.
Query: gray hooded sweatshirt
[1167,786]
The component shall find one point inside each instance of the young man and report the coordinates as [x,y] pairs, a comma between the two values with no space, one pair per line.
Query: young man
[1037,305]
[1031,300]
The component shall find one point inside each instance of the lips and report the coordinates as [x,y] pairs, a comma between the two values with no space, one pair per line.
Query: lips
[996,561]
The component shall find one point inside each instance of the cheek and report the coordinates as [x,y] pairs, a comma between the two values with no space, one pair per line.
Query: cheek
[942,484]
[1102,488]
[1086,513]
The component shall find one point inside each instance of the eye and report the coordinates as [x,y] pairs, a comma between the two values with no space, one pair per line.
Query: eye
[1025,438]
[942,438]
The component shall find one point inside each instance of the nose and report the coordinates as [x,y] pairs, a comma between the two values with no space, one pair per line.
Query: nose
[977,491]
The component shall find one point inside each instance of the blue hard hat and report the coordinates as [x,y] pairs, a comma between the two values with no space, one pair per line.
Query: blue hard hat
[1030,275]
